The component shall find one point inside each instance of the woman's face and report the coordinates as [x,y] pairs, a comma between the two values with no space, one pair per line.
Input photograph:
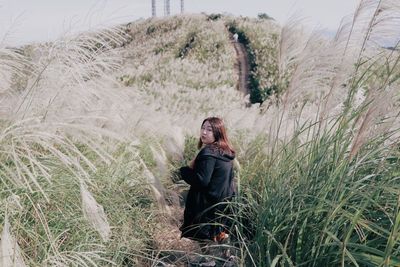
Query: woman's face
[206,134]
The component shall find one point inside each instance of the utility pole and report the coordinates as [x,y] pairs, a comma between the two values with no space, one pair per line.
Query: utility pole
[166,8]
[153,8]
[182,6]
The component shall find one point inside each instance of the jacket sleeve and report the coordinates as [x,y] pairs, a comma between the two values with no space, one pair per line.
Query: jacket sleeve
[200,176]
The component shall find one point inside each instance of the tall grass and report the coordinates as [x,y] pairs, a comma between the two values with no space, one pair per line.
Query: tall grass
[59,225]
[328,194]
[315,206]
[90,125]
[80,194]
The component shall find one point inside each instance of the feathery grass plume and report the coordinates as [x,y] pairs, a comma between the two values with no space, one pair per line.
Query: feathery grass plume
[157,188]
[161,159]
[292,42]
[343,52]
[355,48]
[334,67]
[58,231]
[76,65]
[374,15]
[381,95]
[244,119]
[385,32]
[379,103]
[174,141]
[13,204]
[91,258]
[85,56]
[94,213]
[28,142]
[300,101]
[117,104]
[10,252]
[8,31]
[13,68]
[382,27]
[311,71]
[326,65]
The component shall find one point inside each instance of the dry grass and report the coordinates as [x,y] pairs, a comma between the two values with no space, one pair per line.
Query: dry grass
[66,106]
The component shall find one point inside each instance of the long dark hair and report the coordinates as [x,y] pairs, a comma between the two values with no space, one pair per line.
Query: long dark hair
[221,138]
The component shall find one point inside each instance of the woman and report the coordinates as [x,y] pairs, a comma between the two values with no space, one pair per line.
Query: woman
[210,176]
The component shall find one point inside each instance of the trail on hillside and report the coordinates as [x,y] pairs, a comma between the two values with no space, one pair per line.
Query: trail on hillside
[242,66]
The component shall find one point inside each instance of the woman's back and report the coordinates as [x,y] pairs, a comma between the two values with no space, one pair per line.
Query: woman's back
[220,185]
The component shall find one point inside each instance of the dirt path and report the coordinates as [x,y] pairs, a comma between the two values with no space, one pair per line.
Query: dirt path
[241,66]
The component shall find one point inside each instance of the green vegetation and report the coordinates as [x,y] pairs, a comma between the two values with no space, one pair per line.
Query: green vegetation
[263,16]
[316,206]
[50,224]
[93,128]
[190,42]
[214,17]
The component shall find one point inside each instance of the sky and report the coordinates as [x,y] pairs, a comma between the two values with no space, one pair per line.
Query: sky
[27,21]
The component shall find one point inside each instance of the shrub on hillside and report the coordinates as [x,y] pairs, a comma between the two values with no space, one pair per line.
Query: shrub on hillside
[214,17]
[264,16]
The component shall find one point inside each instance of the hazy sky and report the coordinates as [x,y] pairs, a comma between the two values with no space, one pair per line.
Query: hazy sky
[24,21]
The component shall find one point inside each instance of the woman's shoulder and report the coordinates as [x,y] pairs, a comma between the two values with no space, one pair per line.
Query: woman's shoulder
[215,152]
[208,150]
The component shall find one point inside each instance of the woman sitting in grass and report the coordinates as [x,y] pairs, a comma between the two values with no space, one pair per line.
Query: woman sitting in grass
[210,176]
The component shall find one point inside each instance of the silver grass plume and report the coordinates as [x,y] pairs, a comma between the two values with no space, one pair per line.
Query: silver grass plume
[293,40]
[10,252]
[317,62]
[330,70]
[79,63]
[161,159]
[344,51]
[92,255]
[372,122]
[94,213]
[306,69]
[174,141]
[13,68]
[355,43]
[25,142]
[383,23]
[157,188]
[13,204]
[382,96]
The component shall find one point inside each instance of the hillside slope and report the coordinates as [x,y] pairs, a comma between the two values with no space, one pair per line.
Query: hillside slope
[94,126]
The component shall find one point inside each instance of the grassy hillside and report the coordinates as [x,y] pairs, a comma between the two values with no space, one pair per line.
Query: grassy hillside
[94,126]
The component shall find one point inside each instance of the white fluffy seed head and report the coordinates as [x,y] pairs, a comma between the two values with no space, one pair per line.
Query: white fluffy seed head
[10,252]
[94,213]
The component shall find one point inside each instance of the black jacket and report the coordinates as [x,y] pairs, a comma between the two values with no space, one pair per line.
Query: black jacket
[211,182]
